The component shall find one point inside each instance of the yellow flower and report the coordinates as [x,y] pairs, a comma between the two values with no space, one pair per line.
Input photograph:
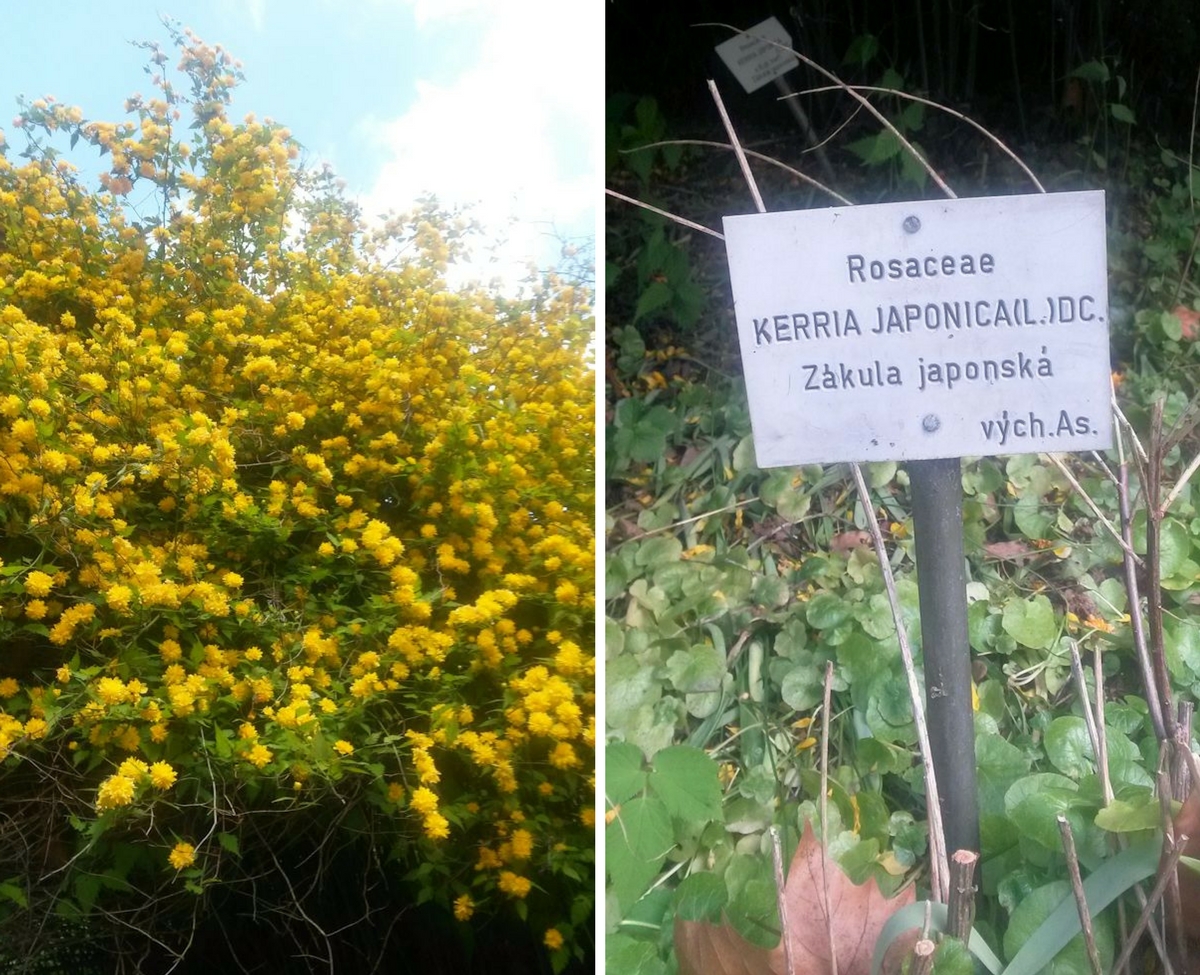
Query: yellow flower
[464,907]
[259,755]
[38,583]
[116,790]
[118,597]
[9,687]
[182,855]
[522,844]
[162,776]
[553,939]
[231,580]
[423,801]
[437,826]
[343,747]
[513,884]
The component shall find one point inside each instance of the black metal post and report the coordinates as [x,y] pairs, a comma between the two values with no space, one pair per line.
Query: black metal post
[942,580]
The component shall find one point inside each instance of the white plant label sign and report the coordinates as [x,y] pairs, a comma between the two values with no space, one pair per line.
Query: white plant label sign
[907,331]
[753,60]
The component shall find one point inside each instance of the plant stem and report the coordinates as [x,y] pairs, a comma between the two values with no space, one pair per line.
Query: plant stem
[1154,609]
[833,967]
[961,909]
[922,963]
[1085,917]
[939,868]
[1131,587]
[781,896]
[1165,873]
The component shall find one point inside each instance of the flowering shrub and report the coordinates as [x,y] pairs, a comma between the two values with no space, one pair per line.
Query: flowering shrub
[297,546]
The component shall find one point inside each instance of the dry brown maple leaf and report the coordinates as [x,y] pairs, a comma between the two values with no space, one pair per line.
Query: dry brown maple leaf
[859,913]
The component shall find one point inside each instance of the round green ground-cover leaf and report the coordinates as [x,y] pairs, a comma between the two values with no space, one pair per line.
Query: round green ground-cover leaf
[685,779]
[656,551]
[1030,622]
[1069,747]
[826,610]
[791,639]
[999,764]
[803,687]
[700,668]
[793,505]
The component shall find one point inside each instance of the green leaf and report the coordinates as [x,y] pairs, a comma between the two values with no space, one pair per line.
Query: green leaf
[635,844]
[1069,747]
[628,686]
[876,149]
[701,897]
[803,687]
[1093,71]
[1030,622]
[657,295]
[685,779]
[229,843]
[1033,913]
[1171,326]
[624,954]
[700,668]
[1000,763]
[1122,113]
[11,890]
[1120,816]
[658,551]
[826,610]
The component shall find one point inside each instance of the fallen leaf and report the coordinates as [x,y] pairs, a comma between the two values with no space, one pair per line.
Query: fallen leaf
[1189,320]
[858,914]
[1007,550]
[846,542]
[1187,822]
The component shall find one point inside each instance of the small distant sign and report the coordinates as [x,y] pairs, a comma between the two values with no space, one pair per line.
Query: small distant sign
[755,61]
[908,331]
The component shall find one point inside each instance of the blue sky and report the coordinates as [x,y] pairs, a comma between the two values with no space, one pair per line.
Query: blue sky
[493,103]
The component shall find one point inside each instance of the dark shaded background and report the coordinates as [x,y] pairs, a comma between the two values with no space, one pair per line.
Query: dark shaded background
[1008,61]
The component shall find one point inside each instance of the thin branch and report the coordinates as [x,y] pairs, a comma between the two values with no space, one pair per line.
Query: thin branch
[781,896]
[683,221]
[1085,916]
[1101,732]
[1181,483]
[1137,624]
[937,836]
[1089,718]
[737,149]
[945,108]
[961,908]
[762,157]
[833,966]
[1087,499]
[862,100]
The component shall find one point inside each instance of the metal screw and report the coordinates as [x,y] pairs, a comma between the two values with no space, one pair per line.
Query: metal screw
[912,224]
[930,423]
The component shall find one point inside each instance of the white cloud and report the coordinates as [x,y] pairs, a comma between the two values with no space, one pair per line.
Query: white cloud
[516,135]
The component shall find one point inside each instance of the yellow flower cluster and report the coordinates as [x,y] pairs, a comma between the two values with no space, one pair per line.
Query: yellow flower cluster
[283,509]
